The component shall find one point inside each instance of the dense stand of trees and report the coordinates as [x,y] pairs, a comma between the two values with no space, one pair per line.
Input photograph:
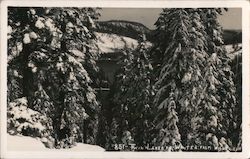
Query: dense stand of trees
[54,66]
[184,91]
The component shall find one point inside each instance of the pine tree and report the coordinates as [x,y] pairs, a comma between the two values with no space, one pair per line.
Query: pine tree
[236,65]
[195,81]
[119,123]
[222,86]
[133,98]
[55,55]
[16,26]
[141,93]
[180,81]
[14,83]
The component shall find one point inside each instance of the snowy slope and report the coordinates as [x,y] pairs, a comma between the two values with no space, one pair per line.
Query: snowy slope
[25,143]
[106,42]
[110,43]
[234,51]
[230,48]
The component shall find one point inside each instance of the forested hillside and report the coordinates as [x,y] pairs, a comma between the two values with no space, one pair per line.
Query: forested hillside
[178,87]
[135,29]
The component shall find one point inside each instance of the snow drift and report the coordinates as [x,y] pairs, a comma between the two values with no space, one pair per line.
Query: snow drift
[26,143]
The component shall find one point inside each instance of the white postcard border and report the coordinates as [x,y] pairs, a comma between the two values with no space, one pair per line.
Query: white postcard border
[128,4]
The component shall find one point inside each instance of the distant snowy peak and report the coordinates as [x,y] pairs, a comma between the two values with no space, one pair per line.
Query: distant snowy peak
[110,43]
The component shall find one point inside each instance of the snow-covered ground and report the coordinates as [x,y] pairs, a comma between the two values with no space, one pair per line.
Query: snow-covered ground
[26,143]
[230,48]
[233,51]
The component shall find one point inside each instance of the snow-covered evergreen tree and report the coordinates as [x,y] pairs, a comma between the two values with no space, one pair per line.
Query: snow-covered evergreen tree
[15,47]
[236,65]
[14,72]
[25,121]
[140,95]
[195,85]
[56,50]
[133,98]
[222,89]
[119,123]
[180,80]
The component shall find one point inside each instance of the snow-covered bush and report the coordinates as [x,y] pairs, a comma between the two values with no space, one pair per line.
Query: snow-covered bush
[25,121]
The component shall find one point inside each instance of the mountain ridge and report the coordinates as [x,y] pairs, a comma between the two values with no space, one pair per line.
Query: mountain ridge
[133,30]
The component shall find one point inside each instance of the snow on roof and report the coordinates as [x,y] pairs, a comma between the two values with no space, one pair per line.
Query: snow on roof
[109,43]
[112,42]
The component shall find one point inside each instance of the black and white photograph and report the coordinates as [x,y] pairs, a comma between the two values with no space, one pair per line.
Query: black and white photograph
[124,79]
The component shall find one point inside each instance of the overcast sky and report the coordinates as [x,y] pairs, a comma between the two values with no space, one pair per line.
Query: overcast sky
[229,20]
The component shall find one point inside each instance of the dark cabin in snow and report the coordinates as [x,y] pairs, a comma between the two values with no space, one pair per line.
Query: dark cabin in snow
[108,65]
[110,48]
